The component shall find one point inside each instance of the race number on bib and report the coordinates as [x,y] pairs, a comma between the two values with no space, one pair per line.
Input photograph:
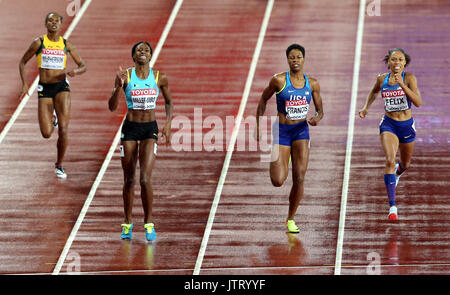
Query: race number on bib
[395,100]
[53,59]
[144,99]
[297,109]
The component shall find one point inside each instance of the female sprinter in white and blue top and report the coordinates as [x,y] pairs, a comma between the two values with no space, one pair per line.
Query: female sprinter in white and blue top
[397,130]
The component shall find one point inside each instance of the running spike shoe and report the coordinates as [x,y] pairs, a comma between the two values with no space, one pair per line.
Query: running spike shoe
[393,213]
[150,233]
[127,231]
[292,227]
[60,173]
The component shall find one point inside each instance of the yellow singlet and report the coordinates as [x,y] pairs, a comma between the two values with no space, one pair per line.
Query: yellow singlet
[52,55]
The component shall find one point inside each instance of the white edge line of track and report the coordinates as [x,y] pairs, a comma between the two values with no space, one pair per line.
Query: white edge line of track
[33,86]
[351,123]
[113,147]
[232,142]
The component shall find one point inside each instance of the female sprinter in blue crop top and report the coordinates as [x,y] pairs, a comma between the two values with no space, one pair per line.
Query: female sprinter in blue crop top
[397,131]
[294,91]
[141,86]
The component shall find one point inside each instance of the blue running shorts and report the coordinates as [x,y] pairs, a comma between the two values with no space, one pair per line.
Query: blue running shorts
[405,130]
[284,134]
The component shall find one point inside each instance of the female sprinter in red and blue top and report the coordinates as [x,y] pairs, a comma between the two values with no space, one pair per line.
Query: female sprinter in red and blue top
[141,85]
[294,91]
[397,131]
[51,51]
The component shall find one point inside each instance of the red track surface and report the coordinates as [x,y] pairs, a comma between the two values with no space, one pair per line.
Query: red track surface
[207,56]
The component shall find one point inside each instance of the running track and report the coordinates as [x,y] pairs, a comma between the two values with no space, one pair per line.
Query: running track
[207,57]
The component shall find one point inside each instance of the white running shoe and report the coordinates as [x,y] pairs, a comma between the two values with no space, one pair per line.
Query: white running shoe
[55,119]
[393,213]
[60,173]
[397,177]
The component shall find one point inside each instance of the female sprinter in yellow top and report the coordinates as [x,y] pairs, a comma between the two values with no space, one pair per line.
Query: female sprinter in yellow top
[51,51]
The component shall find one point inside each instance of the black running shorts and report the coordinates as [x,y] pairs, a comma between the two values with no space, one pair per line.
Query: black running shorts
[50,90]
[133,131]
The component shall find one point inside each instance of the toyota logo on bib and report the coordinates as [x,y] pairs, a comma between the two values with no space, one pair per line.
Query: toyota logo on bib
[140,92]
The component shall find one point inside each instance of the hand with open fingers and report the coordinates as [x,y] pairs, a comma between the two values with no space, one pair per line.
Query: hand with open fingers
[122,76]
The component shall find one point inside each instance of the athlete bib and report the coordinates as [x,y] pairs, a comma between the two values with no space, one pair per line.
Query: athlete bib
[395,100]
[142,94]
[53,59]
[297,108]
[143,99]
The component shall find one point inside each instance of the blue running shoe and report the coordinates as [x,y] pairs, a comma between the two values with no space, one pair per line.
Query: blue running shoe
[127,231]
[150,233]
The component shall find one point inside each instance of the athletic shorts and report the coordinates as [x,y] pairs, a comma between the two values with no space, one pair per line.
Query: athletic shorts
[50,90]
[405,130]
[133,131]
[284,134]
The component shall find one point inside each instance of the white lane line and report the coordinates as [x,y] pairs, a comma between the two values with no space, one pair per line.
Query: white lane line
[112,148]
[351,123]
[232,142]
[33,86]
